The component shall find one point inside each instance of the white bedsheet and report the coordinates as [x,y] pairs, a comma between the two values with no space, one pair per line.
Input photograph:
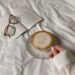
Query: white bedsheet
[59,18]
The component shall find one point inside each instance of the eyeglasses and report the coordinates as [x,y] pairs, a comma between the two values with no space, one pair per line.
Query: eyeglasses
[10,29]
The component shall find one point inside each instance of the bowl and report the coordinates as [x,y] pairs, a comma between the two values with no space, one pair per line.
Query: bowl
[39,44]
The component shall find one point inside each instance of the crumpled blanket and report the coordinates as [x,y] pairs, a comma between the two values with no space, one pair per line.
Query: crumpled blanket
[59,18]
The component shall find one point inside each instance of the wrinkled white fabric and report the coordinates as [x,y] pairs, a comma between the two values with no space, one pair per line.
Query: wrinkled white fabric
[59,18]
[11,61]
[66,67]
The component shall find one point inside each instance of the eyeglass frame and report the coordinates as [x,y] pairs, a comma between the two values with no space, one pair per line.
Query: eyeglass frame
[9,25]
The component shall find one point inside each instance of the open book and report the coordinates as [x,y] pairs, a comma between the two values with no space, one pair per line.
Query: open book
[28,19]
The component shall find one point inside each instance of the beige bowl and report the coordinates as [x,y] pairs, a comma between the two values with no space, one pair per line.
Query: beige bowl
[43,38]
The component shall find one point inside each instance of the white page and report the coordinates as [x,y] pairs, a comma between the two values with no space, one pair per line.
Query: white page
[29,18]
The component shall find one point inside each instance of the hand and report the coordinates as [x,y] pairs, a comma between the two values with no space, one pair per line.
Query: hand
[55,50]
